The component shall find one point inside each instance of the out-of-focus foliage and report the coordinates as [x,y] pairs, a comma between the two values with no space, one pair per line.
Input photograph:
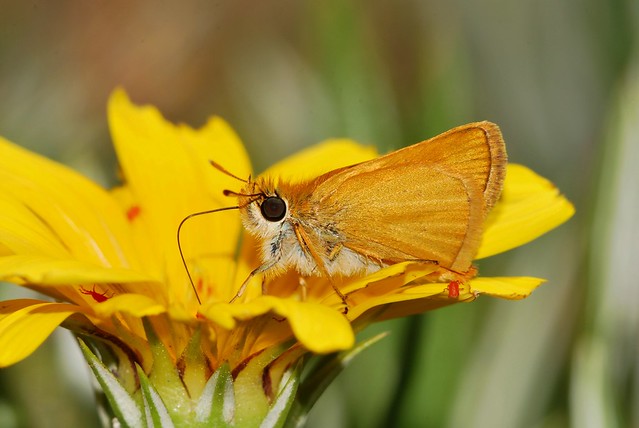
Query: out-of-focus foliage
[560,78]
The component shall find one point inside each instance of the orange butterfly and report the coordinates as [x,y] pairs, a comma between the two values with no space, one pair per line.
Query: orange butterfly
[426,202]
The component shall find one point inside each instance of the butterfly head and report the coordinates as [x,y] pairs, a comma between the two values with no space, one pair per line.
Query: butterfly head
[262,209]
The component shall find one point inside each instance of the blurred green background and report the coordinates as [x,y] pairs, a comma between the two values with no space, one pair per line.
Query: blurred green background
[560,77]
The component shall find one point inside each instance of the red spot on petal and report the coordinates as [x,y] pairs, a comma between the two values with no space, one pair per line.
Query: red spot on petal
[453,289]
[133,212]
[98,297]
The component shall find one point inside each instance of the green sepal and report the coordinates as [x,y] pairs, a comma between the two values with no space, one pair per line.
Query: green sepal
[321,376]
[216,406]
[155,411]
[252,402]
[164,375]
[279,410]
[125,408]
[193,366]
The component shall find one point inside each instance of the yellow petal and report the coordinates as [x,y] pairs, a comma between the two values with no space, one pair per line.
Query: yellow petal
[132,304]
[48,208]
[23,232]
[419,298]
[416,299]
[396,275]
[226,314]
[512,288]
[50,271]
[167,170]
[318,328]
[318,159]
[138,230]
[8,307]
[529,207]
[26,325]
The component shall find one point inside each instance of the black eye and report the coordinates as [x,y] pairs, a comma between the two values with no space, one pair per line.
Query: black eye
[273,208]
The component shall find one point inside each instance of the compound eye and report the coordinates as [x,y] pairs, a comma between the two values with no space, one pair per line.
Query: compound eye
[273,208]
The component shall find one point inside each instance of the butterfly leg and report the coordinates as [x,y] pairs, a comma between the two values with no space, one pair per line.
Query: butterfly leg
[335,251]
[307,247]
[258,270]
[303,287]
[341,295]
[243,286]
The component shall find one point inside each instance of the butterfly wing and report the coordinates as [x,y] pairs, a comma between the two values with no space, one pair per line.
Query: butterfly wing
[437,217]
[424,202]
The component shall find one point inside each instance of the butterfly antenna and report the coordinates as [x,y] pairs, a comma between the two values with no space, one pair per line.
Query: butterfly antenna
[179,229]
[225,171]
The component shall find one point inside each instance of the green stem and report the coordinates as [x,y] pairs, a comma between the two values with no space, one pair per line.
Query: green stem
[408,360]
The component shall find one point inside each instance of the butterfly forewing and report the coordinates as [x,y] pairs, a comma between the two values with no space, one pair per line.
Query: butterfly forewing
[424,202]
[477,151]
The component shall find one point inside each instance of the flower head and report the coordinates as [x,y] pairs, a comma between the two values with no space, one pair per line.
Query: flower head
[110,263]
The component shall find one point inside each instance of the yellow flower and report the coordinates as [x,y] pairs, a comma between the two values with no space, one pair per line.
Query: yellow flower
[110,261]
